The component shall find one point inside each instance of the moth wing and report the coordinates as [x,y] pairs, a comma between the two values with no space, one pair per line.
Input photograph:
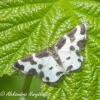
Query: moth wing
[51,72]
[32,64]
[72,61]
[73,40]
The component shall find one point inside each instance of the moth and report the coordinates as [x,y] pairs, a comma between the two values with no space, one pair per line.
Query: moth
[57,61]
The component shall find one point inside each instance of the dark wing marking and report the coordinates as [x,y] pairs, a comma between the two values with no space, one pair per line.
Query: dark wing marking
[61,42]
[42,54]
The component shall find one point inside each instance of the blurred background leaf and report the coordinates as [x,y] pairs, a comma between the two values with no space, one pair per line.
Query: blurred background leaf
[28,26]
[13,84]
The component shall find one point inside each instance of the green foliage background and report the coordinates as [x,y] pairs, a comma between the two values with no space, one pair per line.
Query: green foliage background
[28,26]
[14,84]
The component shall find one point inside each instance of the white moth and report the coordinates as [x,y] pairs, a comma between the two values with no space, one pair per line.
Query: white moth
[59,60]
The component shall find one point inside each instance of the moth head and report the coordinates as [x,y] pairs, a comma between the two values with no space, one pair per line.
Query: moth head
[52,51]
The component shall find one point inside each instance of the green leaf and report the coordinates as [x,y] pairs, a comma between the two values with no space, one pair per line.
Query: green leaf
[28,26]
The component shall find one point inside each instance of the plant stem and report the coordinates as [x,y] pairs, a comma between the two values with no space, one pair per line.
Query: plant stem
[27,84]
[26,87]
